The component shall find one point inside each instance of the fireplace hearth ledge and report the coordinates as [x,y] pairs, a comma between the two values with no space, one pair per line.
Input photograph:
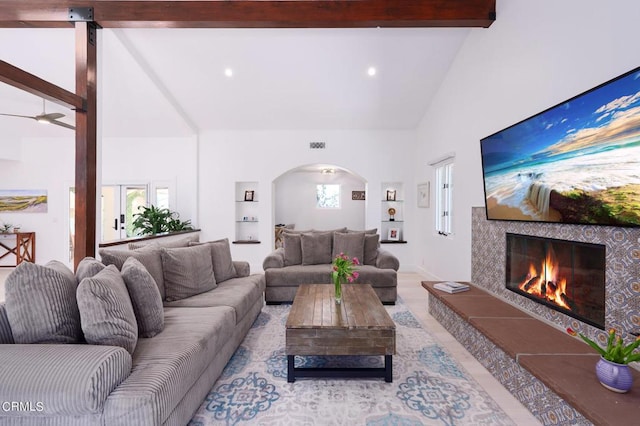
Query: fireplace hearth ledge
[550,372]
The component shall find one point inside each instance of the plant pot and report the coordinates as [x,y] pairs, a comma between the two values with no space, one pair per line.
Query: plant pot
[613,376]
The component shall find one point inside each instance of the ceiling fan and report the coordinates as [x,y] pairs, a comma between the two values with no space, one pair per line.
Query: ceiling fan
[51,118]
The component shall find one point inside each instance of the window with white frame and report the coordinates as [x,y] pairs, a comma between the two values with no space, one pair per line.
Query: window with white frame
[328,196]
[444,195]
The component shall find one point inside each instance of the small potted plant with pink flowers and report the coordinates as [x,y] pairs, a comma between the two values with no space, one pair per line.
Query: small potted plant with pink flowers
[612,369]
[343,271]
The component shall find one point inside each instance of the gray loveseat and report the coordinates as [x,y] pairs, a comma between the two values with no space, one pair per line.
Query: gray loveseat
[306,257]
[161,380]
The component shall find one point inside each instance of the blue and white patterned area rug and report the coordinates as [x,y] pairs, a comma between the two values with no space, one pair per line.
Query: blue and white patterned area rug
[429,387]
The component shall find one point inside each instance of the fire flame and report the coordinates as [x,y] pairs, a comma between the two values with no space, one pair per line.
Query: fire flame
[547,284]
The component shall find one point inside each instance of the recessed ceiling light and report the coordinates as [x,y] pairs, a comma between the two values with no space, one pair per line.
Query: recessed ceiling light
[228,72]
[372,71]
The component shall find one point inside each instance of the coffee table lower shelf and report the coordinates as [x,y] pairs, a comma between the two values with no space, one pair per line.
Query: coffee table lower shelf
[336,372]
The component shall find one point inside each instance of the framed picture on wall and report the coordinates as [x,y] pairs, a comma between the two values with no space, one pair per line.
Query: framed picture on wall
[391,195]
[358,195]
[423,195]
[393,234]
[248,195]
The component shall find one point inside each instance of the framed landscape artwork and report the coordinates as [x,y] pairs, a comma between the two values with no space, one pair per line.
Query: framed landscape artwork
[23,201]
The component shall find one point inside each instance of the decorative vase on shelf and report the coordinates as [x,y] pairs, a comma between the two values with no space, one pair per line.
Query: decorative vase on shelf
[337,286]
[614,376]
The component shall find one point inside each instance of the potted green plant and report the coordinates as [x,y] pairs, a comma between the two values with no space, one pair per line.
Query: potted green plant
[154,220]
[612,369]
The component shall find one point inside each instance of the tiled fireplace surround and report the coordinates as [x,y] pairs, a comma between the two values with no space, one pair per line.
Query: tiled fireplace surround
[622,300]
[488,272]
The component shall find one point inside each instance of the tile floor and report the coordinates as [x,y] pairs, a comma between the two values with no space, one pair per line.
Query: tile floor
[416,298]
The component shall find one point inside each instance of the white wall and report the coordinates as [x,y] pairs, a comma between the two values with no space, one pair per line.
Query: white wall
[10,147]
[147,160]
[47,164]
[295,201]
[263,156]
[536,54]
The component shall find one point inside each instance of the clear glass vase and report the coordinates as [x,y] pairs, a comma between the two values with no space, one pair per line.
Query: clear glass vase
[337,286]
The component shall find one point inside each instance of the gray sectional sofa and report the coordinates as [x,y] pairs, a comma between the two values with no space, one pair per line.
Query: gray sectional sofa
[110,374]
[306,258]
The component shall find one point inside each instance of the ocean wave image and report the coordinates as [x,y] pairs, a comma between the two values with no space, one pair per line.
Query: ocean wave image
[578,162]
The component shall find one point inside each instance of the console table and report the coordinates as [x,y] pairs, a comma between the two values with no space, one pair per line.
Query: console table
[21,245]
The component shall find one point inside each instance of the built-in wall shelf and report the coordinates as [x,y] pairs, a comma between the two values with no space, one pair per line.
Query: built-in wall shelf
[247,209]
[392,213]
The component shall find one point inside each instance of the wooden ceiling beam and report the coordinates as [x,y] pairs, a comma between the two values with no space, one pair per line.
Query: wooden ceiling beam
[21,79]
[254,13]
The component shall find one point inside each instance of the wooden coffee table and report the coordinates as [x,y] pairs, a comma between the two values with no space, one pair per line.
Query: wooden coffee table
[360,325]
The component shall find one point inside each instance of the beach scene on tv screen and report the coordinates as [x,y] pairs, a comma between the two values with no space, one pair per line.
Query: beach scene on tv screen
[578,162]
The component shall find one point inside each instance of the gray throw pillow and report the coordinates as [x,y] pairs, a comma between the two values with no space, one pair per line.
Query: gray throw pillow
[106,312]
[88,267]
[371,244]
[149,256]
[351,244]
[316,248]
[187,271]
[223,268]
[292,249]
[145,298]
[41,304]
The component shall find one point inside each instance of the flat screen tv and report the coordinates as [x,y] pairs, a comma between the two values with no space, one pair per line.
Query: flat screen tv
[577,162]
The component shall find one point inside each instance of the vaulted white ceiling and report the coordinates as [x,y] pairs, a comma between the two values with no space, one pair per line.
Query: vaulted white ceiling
[172,82]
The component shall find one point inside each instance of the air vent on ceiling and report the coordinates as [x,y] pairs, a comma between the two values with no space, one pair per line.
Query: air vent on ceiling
[317,145]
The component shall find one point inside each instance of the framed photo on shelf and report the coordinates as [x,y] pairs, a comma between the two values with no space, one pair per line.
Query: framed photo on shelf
[393,234]
[423,195]
[391,195]
[248,195]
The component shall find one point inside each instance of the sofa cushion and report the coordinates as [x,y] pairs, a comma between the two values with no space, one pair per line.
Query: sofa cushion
[6,336]
[166,367]
[239,293]
[351,244]
[187,271]
[371,244]
[149,256]
[106,312]
[292,249]
[63,382]
[166,242]
[41,304]
[293,276]
[223,268]
[145,298]
[88,267]
[316,248]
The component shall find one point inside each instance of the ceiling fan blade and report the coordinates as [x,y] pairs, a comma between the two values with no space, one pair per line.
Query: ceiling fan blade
[16,115]
[61,124]
[50,116]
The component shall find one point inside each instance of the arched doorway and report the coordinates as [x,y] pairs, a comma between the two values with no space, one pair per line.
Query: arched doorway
[304,198]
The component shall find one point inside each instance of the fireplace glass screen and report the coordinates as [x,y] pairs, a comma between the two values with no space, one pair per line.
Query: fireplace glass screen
[567,276]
